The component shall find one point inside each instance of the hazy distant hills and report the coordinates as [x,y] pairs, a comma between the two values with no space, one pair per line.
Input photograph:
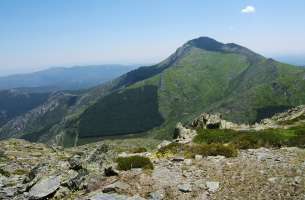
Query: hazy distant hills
[202,75]
[14,103]
[60,78]
[34,89]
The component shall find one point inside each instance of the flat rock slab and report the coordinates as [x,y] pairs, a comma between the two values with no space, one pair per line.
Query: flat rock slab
[103,196]
[44,187]
[186,187]
[116,187]
[212,186]
[178,159]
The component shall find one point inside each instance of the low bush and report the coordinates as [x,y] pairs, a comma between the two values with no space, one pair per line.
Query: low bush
[127,163]
[212,150]
[208,136]
[254,139]
[4,173]
[21,172]
[171,149]
[3,157]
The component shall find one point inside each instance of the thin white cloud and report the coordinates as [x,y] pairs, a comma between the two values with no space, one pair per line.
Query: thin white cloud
[248,10]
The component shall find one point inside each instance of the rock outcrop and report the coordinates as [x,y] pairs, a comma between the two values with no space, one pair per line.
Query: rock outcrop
[183,134]
[276,173]
[45,187]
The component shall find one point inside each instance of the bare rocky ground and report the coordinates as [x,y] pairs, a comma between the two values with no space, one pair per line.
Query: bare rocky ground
[36,171]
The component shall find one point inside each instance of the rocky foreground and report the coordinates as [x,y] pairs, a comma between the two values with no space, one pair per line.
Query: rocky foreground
[37,171]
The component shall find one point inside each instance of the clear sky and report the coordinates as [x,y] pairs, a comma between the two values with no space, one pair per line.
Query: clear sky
[35,34]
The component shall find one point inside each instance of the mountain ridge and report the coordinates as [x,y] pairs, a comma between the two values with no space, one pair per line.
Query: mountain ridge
[202,75]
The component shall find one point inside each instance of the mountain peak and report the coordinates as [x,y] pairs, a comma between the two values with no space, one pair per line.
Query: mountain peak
[210,44]
[206,43]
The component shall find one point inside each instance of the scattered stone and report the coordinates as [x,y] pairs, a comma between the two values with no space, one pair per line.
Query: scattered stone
[68,176]
[110,172]
[239,176]
[8,192]
[99,154]
[123,155]
[188,162]
[297,180]
[34,172]
[201,184]
[45,187]
[116,187]
[272,179]
[136,171]
[208,121]
[204,196]
[78,182]
[157,195]
[198,157]
[212,186]
[178,159]
[103,196]
[163,144]
[61,193]
[215,158]
[185,187]
[183,134]
[75,162]
[104,148]
[262,156]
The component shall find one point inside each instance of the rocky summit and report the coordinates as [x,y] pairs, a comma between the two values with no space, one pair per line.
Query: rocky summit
[178,169]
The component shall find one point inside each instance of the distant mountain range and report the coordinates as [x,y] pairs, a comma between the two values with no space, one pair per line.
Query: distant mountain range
[22,93]
[61,78]
[203,75]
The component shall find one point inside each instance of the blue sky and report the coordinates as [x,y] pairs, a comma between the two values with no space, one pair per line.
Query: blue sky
[36,34]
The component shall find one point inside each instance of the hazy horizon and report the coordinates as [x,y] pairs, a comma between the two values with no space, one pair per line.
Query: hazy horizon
[36,35]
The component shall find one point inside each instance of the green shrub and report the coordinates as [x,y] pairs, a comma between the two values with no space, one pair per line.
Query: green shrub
[246,142]
[208,136]
[172,148]
[21,171]
[212,150]
[138,150]
[254,139]
[4,173]
[3,157]
[127,163]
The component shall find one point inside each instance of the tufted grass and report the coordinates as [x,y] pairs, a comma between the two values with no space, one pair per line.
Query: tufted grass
[138,150]
[253,139]
[127,163]
[190,151]
[4,172]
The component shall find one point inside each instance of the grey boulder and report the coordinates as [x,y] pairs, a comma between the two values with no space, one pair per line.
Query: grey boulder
[44,187]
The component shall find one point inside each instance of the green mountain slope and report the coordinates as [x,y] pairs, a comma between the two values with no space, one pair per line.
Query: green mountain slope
[205,75]
[202,75]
